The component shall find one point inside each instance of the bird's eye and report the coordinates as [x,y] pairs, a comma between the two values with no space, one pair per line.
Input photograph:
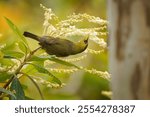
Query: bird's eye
[86,41]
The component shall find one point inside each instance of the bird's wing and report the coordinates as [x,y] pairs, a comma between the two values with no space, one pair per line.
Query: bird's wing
[50,40]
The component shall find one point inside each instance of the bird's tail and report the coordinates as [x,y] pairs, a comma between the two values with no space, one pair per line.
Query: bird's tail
[31,35]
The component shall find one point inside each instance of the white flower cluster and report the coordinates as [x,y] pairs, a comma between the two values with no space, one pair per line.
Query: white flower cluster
[49,15]
[69,27]
[75,59]
[46,83]
[80,17]
[55,27]
[105,74]
[67,71]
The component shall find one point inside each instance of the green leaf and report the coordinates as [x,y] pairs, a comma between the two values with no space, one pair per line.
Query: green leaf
[36,85]
[7,92]
[40,69]
[1,54]
[57,60]
[16,30]
[29,69]
[24,86]
[6,62]
[17,88]
[37,58]
[9,44]
[4,76]
[28,98]
[8,57]
[53,58]
[43,70]
[23,47]
[12,54]
[55,79]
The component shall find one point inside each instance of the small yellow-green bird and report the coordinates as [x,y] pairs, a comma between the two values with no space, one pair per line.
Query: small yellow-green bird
[59,47]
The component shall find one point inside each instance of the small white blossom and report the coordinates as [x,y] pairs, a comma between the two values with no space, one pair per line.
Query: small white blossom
[68,28]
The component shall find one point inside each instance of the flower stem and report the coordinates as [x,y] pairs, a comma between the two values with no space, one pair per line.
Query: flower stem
[20,67]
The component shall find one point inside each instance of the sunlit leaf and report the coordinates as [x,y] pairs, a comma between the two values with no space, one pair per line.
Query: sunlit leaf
[9,44]
[24,86]
[29,69]
[13,54]
[39,68]
[23,47]
[28,98]
[43,70]
[36,85]
[9,57]
[17,88]
[57,60]
[7,92]
[37,58]
[4,76]
[1,55]
[16,30]
[52,58]
[6,62]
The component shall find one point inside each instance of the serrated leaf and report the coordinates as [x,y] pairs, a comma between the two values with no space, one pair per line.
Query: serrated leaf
[16,30]
[17,88]
[12,54]
[7,92]
[4,76]
[43,70]
[23,47]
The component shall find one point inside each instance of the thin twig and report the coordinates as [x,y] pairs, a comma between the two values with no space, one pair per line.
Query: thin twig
[36,85]
[20,67]
[9,81]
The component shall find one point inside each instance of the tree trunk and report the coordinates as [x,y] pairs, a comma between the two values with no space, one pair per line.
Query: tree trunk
[129,29]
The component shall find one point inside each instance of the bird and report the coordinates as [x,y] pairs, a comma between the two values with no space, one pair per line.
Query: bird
[58,46]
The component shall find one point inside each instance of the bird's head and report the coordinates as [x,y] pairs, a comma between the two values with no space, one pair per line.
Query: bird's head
[83,43]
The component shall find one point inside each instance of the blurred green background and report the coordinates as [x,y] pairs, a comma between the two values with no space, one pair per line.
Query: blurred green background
[28,15]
